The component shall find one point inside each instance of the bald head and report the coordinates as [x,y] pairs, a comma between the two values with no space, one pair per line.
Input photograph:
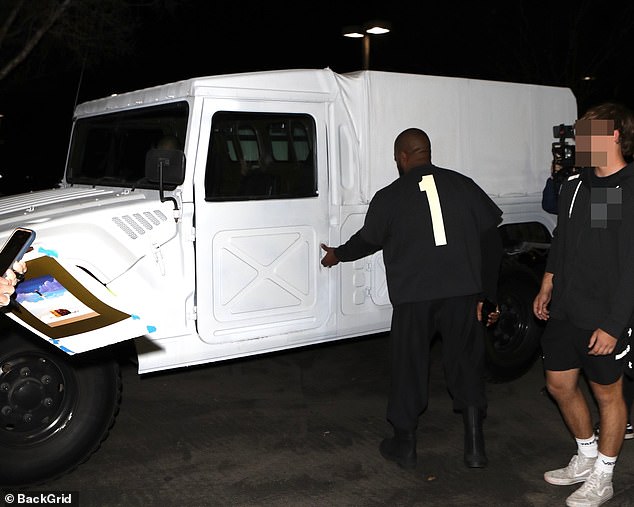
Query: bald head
[412,148]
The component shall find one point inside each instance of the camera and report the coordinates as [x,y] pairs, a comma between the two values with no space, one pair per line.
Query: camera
[564,151]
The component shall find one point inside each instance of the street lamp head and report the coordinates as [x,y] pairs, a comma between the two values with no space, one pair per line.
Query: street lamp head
[377,27]
[354,32]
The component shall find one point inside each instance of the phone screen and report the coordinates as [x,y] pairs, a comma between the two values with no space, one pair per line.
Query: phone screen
[15,247]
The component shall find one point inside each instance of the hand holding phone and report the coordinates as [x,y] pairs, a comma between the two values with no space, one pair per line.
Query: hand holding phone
[490,313]
[15,247]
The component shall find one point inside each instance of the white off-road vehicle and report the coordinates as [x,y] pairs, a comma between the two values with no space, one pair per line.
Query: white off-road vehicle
[199,208]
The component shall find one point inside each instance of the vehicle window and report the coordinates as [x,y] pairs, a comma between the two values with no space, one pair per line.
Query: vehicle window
[261,156]
[110,149]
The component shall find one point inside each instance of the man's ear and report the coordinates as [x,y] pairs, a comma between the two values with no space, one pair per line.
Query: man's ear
[617,136]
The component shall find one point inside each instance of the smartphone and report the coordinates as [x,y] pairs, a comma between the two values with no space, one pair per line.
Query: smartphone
[15,247]
[487,308]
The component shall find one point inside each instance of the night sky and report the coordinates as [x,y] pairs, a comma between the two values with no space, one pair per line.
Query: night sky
[548,43]
[533,42]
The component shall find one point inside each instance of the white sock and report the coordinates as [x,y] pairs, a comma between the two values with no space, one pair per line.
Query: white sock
[605,464]
[587,447]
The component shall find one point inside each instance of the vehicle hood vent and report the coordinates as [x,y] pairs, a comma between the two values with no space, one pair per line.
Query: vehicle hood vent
[138,224]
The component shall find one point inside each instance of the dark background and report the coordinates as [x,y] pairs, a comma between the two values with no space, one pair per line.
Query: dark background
[170,40]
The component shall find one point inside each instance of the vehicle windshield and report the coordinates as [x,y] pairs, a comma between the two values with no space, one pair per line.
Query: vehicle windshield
[110,149]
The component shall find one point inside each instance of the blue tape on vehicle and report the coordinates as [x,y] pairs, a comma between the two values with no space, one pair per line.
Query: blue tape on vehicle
[50,253]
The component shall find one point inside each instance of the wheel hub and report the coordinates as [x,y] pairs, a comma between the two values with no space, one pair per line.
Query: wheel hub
[31,394]
[27,395]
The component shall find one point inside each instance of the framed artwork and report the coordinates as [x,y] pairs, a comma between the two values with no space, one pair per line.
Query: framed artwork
[72,314]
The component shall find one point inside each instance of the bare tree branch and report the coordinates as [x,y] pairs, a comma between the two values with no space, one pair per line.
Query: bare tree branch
[9,21]
[34,39]
[45,37]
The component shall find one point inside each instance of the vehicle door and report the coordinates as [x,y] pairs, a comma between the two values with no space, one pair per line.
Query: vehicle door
[261,213]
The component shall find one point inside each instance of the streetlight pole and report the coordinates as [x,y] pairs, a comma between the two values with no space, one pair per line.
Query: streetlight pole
[366,51]
[365,32]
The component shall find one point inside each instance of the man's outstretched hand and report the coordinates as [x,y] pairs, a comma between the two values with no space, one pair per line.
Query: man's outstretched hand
[330,259]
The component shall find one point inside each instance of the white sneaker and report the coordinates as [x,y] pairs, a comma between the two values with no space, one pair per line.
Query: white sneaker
[577,470]
[596,490]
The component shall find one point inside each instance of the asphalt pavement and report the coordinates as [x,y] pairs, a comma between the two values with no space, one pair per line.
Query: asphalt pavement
[302,428]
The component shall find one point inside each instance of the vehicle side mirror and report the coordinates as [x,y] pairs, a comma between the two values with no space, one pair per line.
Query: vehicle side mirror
[166,167]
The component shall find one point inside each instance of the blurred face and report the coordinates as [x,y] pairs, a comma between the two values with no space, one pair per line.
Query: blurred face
[593,139]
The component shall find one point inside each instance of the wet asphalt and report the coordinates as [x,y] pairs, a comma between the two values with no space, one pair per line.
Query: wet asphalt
[302,428]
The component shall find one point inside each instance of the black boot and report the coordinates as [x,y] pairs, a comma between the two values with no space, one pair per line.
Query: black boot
[401,448]
[474,453]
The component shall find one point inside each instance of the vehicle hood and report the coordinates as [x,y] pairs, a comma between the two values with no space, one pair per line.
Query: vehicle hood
[61,199]
[103,230]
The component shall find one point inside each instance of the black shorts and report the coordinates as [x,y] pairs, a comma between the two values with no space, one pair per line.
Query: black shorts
[565,347]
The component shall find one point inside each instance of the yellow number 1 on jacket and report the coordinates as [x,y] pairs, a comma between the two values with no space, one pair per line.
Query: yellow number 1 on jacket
[428,184]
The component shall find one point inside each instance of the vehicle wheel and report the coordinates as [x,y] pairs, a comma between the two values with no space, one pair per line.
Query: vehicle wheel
[55,410]
[513,343]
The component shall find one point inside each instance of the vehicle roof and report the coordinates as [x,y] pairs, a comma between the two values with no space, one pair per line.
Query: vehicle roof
[310,81]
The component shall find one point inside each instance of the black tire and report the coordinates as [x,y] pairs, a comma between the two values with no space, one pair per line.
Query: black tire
[513,344]
[55,410]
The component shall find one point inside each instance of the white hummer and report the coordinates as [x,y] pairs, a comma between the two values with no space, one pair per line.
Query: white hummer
[202,205]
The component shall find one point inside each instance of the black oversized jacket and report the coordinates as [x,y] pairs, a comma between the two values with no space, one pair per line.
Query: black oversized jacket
[592,254]
[419,266]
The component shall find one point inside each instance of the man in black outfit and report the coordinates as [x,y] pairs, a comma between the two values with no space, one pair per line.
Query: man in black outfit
[587,296]
[442,252]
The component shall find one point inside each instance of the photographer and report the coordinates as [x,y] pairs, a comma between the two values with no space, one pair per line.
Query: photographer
[550,194]
[561,168]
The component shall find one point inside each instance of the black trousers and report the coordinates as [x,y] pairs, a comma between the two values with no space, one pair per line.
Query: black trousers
[414,325]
